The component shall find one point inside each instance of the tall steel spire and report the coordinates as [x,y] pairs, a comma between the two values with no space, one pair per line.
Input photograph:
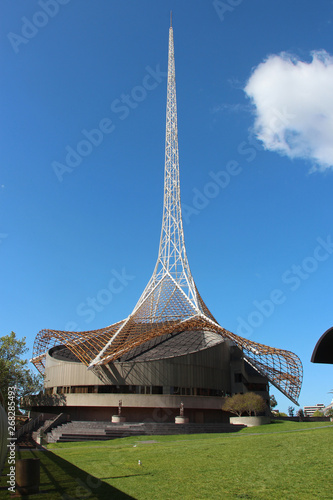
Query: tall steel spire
[172,268]
[170,303]
[170,295]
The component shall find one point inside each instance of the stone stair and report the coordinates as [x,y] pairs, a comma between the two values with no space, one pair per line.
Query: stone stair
[97,431]
[43,426]
[46,426]
[78,431]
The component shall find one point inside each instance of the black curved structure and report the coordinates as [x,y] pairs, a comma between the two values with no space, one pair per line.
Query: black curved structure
[323,351]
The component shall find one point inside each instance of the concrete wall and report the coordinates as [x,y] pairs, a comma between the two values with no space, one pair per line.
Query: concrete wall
[250,421]
[209,368]
[212,368]
[142,401]
[141,408]
[61,373]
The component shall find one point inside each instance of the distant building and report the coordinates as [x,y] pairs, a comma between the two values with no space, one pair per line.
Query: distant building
[309,410]
[328,407]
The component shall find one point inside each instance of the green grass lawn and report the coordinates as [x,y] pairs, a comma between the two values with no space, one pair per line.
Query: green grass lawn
[285,460]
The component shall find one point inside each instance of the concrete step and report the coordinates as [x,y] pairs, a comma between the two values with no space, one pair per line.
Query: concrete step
[124,433]
[85,431]
[88,424]
[65,438]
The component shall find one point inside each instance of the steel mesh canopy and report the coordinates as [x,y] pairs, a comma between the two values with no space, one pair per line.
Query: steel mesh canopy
[170,303]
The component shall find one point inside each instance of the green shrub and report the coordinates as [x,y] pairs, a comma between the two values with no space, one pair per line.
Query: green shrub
[317,413]
[250,403]
[234,404]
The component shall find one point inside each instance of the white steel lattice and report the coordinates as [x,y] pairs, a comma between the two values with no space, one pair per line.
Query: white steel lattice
[171,294]
[170,303]
[172,263]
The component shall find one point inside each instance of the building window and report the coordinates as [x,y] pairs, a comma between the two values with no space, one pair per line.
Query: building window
[136,389]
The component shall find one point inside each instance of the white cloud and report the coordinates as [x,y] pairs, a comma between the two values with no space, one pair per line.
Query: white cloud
[294,106]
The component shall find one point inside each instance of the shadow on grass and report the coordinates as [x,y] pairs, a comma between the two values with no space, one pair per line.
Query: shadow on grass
[60,479]
[128,475]
[276,421]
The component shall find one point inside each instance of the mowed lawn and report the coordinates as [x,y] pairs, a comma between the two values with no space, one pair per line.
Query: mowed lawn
[286,460]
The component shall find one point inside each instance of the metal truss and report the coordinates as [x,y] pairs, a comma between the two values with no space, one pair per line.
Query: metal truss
[170,303]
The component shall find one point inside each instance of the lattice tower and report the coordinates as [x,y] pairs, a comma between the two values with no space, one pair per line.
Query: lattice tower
[170,303]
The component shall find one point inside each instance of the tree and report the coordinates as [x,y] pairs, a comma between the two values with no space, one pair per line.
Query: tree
[234,404]
[272,401]
[291,411]
[329,412]
[300,414]
[317,413]
[249,403]
[14,371]
[254,403]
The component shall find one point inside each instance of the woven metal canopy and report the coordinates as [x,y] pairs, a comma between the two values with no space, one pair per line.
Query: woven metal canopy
[170,303]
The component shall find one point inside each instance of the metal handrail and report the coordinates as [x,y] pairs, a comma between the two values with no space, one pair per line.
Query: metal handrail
[29,426]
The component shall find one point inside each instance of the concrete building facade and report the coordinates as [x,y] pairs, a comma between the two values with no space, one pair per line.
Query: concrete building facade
[196,368]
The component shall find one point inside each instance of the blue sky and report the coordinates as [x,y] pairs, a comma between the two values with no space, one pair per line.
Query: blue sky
[81,209]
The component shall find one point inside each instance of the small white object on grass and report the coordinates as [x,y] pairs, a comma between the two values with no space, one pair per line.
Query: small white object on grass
[139,462]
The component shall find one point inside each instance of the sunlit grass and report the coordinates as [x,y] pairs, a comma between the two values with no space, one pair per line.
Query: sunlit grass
[287,460]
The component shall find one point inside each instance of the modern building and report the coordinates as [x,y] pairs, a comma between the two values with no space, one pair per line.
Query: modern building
[309,410]
[170,349]
[328,407]
[195,367]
